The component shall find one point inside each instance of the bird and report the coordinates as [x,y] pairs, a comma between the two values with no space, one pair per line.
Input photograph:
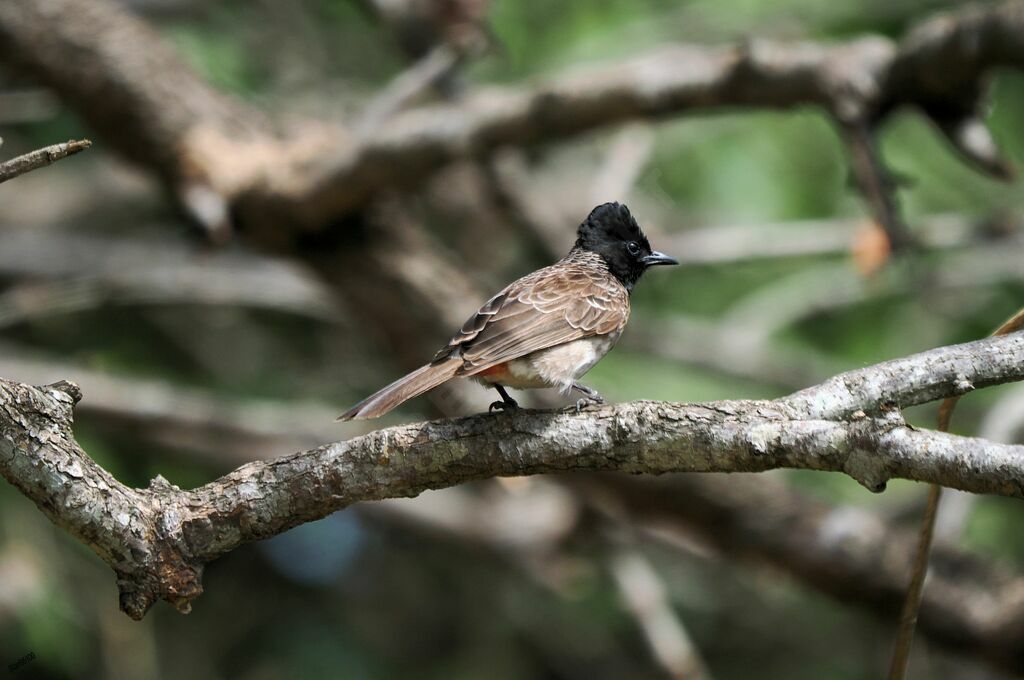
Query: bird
[546,329]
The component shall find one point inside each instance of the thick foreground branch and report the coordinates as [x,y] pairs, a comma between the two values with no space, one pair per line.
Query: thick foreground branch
[158,539]
[846,552]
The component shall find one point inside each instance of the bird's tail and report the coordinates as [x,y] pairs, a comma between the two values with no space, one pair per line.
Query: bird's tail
[416,383]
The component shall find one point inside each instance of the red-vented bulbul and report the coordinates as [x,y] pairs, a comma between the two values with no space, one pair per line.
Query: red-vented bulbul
[548,328]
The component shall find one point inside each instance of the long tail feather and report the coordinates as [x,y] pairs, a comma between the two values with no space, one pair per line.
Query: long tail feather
[416,383]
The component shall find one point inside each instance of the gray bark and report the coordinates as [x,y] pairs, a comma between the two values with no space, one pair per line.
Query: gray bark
[158,539]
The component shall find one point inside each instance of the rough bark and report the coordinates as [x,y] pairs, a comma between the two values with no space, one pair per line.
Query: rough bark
[158,539]
[971,604]
[183,420]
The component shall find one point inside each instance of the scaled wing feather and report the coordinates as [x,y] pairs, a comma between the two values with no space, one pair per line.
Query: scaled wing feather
[550,307]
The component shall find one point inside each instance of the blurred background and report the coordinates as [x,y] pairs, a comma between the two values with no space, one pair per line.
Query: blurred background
[198,351]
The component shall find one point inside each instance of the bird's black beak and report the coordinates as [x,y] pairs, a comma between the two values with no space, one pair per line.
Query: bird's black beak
[658,258]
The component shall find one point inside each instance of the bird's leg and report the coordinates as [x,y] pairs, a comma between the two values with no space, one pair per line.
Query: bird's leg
[590,396]
[507,403]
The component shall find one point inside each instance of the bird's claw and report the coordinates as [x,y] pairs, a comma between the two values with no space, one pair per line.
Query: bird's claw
[590,396]
[502,406]
[584,402]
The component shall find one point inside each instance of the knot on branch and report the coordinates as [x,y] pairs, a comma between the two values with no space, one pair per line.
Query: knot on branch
[172,579]
[165,569]
[68,388]
[52,403]
[865,462]
[853,77]
[962,385]
[867,468]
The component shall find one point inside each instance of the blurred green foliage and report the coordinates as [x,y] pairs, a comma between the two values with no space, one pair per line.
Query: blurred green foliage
[420,608]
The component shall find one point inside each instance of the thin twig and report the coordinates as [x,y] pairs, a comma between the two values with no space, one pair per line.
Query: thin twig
[876,184]
[919,568]
[624,162]
[973,606]
[408,85]
[643,592]
[41,158]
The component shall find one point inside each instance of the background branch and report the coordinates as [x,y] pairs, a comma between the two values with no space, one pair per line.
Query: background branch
[847,552]
[196,137]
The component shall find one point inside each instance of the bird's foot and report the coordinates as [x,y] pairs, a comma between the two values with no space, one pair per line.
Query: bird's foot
[510,405]
[590,397]
[584,402]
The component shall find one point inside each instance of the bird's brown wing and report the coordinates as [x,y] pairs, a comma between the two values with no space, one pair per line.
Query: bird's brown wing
[552,306]
[573,299]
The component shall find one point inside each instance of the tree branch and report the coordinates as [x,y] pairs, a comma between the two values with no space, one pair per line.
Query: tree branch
[970,605]
[917,379]
[858,83]
[873,180]
[69,271]
[728,243]
[180,419]
[158,539]
[41,158]
[847,553]
[132,87]
[124,79]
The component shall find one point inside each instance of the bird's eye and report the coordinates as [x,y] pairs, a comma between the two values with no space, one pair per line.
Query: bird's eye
[633,247]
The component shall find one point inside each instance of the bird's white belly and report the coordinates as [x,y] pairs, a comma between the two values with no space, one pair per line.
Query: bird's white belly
[557,366]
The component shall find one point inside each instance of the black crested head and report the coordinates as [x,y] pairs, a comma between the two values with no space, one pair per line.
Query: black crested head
[611,232]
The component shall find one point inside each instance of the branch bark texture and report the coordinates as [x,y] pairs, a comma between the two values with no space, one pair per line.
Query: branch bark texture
[846,552]
[158,539]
